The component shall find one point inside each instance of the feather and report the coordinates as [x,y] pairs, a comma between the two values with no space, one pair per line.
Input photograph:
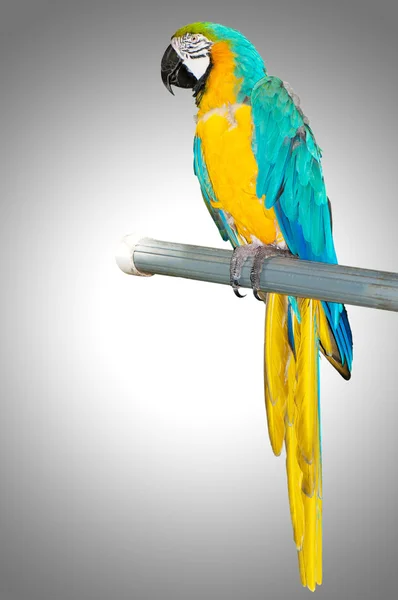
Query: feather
[307,381]
[305,211]
[292,402]
[308,442]
[288,197]
[294,481]
[317,229]
[303,164]
[277,353]
[316,177]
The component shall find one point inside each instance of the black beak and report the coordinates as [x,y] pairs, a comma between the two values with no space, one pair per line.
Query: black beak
[174,72]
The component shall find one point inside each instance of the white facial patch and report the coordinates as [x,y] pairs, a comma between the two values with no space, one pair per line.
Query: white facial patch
[197,66]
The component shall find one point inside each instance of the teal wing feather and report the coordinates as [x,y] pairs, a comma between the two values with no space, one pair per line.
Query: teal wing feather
[225,225]
[290,180]
[290,172]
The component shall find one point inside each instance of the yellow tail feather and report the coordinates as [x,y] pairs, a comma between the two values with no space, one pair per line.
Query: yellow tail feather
[277,354]
[291,397]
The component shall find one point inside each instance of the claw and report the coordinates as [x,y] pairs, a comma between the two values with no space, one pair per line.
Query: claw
[235,287]
[257,297]
[238,294]
[239,257]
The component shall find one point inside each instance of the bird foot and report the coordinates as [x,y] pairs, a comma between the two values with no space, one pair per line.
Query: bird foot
[259,252]
[239,257]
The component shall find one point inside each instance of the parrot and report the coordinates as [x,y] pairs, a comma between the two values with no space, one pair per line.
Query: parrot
[261,178]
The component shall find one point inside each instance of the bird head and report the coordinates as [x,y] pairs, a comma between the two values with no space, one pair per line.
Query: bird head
[196,50]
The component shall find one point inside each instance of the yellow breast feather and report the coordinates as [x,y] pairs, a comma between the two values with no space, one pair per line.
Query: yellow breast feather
[226,135]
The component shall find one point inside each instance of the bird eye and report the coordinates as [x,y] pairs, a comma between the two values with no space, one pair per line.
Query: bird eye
[195,38]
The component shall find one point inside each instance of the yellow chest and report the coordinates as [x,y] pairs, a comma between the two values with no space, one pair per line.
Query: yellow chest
[226,136]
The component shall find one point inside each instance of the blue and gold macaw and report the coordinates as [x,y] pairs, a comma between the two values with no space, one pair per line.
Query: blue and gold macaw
[260,173]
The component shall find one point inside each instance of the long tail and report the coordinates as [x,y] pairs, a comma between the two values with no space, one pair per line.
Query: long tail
[292,402]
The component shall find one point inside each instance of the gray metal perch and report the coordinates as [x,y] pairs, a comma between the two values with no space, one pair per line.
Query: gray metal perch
[305,279]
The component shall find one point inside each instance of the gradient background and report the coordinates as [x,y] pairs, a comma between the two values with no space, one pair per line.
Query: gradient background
[134,458]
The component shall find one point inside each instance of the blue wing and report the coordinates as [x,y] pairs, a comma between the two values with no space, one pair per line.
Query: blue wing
[291,181]
[290,172]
